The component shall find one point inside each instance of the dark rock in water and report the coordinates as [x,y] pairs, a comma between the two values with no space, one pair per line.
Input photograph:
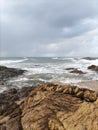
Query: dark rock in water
[15,94]
[49,107]
[93,68]
[2,68]
[70,68]
[90,58]
[24,92]
[2,82]
[77,71]
[13,91]
[6,73]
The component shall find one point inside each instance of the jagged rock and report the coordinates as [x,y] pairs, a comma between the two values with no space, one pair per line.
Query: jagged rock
[90,96]
[93,68]
[80,94]
[14,124]
[49,107]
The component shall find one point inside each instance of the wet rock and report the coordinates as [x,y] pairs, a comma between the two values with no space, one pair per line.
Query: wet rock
[90,58]
[77,71]
[2,68]
[70,68]
[93,68]
[24,92]
[6,73]
[12,91]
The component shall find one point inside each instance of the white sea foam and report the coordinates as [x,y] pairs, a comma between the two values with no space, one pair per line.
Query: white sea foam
[64,59]
[8,62]
[55,58]
[51,70]
[2,88]
[19,79]
[95,61]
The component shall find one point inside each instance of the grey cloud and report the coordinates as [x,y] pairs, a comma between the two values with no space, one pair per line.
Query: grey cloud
[29,25]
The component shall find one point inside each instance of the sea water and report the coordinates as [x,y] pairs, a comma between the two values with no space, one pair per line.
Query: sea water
[49,69]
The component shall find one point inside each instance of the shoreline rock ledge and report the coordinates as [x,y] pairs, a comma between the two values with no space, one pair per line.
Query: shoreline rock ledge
[7,73]
[49,107]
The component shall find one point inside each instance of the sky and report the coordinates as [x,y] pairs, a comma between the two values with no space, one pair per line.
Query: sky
[48,28]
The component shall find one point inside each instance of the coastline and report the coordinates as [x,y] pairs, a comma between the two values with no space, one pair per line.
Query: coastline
[49,106]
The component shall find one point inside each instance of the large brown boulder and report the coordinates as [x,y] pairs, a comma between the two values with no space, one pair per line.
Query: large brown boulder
[49,107]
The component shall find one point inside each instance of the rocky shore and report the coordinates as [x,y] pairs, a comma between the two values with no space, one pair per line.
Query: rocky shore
[7,73]
[48,107]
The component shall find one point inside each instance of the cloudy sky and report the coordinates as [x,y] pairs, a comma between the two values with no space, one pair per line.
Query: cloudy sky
[49,28]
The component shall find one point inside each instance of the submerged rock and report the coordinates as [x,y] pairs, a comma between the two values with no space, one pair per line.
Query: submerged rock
[49,107]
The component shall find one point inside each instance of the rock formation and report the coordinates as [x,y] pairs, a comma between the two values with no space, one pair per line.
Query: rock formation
[49,107]
[90,58]
[77,71]
[69,68]
[6,73]
[93,68]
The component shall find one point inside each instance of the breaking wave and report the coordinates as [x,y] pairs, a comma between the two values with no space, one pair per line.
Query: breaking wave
[7,62]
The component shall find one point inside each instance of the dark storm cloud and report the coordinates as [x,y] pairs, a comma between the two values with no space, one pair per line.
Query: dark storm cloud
[36,28]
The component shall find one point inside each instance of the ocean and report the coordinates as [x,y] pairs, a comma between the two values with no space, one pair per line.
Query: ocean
[49,69]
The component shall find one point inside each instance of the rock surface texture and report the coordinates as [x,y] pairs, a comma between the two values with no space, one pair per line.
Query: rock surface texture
[49,107]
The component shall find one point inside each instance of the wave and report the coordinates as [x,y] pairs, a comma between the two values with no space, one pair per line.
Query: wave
[2,88]
[90,62]
[7,62]
[64,58]
[55,58]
